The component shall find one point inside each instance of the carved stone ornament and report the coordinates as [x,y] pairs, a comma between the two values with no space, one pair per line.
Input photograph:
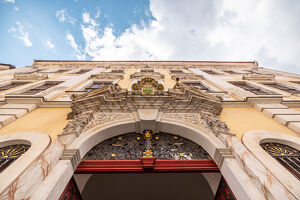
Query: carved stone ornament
[112,103]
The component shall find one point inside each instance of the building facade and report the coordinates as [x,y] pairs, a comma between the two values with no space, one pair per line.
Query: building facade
[150,130]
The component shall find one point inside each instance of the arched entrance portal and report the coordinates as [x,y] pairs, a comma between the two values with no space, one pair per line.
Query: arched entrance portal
[128,166]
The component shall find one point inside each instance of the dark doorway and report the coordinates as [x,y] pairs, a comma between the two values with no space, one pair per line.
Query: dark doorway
[147,186]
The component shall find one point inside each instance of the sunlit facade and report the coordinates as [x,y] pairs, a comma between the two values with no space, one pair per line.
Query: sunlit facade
[173,129]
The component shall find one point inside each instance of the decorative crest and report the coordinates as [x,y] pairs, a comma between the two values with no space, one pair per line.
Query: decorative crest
[147,86]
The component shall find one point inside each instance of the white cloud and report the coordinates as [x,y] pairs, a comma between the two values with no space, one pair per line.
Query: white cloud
[63,16]
[76,50]
[205,30]
[12,30]
[16,8]
[98,13]
[10,1]
[49,44]
[23,35]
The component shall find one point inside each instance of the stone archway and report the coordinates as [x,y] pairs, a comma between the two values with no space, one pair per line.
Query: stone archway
[173,153]
[183,111]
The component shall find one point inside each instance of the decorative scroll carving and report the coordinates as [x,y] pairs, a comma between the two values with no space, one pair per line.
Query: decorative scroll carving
[9,154]
[132,145]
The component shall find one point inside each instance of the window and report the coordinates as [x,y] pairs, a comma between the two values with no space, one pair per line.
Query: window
[96,85]
[82,71]
[41,88]
[199,86]
[147,70]
[12,85]
[282,87]
[9,154]
[208,71]
[117,71]
[176,71]
[254,90]
[297,82]
[288,156]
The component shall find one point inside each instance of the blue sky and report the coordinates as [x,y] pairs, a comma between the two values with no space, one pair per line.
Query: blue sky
[46,23]
[229,30]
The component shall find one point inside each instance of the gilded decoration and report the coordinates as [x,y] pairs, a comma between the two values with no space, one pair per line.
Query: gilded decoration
[133,146]
[9,154]
[288,156]
[147,86]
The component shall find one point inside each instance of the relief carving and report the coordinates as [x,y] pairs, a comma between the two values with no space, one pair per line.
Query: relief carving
[78,124]
[100,118]
[210,122]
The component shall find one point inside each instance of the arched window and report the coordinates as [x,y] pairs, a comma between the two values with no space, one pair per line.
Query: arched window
[288,156]
[9,154]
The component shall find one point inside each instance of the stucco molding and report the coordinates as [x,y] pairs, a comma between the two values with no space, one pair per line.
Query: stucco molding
[252,141]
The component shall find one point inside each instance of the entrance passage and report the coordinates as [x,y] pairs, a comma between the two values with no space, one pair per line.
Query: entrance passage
[147,186]
[150,166]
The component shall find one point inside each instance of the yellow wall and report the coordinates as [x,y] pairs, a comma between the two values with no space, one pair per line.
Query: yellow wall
[298,109]
[242,120]
[46,120]
[125,83]
[169,83]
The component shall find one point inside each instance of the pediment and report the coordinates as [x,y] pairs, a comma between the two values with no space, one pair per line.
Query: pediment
[181,98]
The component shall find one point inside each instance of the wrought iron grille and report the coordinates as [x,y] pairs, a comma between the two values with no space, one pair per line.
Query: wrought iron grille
[133,146]
[288,156]
[9,154]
